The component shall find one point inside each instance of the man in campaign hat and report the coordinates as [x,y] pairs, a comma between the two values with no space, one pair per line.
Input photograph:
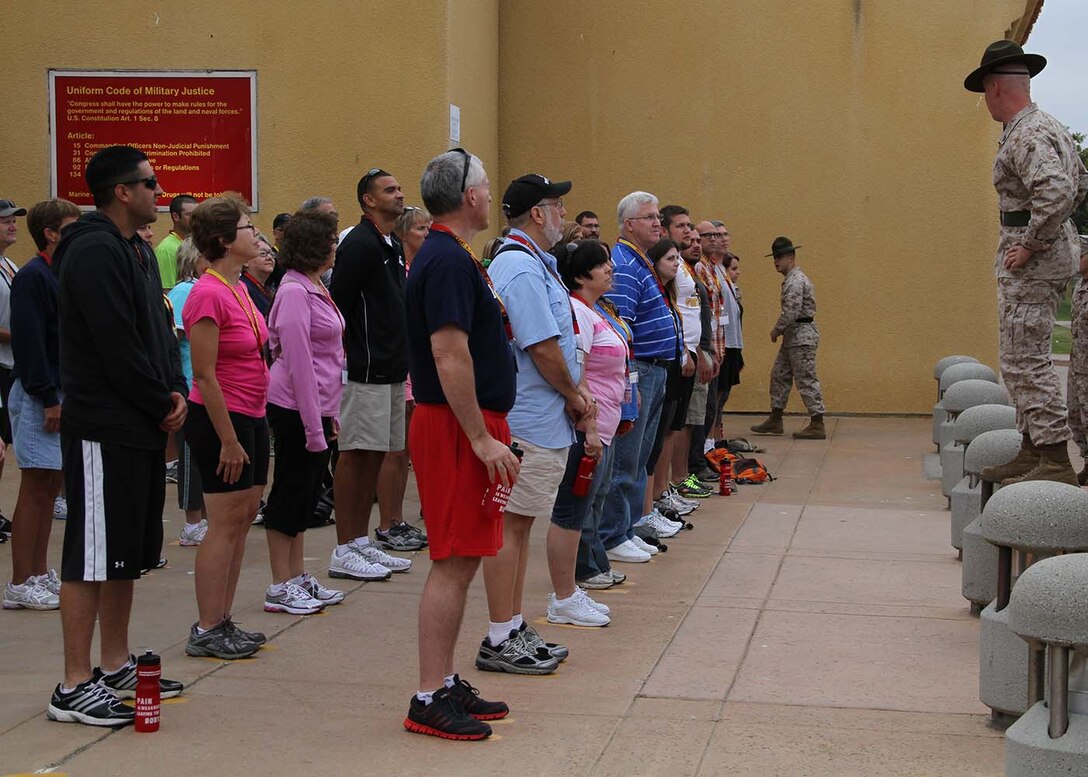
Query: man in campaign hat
[1040,180]
[796,362]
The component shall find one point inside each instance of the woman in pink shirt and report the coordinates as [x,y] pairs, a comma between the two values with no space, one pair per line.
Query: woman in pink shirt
[226,426]
[306,334]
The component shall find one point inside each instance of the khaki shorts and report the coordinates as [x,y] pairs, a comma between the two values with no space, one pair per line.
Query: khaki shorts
[372,417]
[538,482]
[697,405]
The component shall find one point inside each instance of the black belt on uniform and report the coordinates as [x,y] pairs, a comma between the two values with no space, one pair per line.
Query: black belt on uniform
[655,362]
[1015,218]
[805,320]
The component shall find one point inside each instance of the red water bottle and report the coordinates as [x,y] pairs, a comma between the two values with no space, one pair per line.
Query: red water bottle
[584,479]
[497,495]
[148,699]
[725,478]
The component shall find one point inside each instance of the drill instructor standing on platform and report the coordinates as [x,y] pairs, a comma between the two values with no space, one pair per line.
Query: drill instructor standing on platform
[1039,180]
[796,362]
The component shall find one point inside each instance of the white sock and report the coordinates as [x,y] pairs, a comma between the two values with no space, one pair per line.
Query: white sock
[277,588]
[363,541]
[451,680]
[518,620]
[342,549]
[425,696]
[498,633]
[66,689]
[201,631]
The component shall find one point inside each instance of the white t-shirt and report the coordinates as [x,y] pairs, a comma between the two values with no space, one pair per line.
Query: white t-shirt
[687,300]
[7,272]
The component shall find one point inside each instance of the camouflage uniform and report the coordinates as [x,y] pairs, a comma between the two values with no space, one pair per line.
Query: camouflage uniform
[796,360]
[1077,390]
[1037,170]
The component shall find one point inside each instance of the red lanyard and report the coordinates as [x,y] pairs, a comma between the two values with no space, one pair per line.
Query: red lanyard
[483,273]
[661,286]
[532,249]
[618,325]
[250,313]
[260,286]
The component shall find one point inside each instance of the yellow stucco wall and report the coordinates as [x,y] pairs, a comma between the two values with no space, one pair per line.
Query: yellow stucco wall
[841,123]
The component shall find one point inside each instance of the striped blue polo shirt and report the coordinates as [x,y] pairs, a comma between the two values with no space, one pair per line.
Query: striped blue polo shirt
[636,295]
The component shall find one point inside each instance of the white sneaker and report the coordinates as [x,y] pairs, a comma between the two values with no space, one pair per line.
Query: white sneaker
[193,533]
[351,563]
[575,610]
[601,608]
[672,501]
[628,552]
[644,546]
[694,504]
[291,599]
[326,596]
[678,525]
[662,526]
[31,595]
[60,509]
[49,580]
[376,555]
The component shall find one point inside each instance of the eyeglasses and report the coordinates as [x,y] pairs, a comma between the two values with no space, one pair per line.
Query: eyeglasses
[252,227]
[648,217]
[468,161]
[557,203]
[151,182]
[713,235]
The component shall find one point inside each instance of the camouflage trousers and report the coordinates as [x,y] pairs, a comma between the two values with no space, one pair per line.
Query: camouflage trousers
[796,364]
[1077,393]
[1026,310]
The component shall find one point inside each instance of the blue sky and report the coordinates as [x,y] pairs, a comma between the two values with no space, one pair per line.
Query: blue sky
[1060,35]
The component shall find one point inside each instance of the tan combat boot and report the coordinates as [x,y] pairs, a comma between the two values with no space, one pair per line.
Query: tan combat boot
[1024,462]
[814,431]
[1053,465]
[773,424]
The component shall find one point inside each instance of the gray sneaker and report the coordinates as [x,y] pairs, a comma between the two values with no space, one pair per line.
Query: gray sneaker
[219,642]
[514,656]
[537,643]
[256,637]
[397,539]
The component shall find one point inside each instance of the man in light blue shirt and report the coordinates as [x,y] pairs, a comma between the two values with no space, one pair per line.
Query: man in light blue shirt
[549,402]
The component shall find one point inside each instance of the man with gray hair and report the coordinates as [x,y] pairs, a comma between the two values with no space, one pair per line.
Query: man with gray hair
[640,299]
[1040,180]
[463,381]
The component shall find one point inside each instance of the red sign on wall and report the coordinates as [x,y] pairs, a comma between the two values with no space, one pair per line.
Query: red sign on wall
[198,129]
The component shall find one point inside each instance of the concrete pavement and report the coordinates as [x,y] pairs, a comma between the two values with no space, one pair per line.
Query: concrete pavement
[809,626]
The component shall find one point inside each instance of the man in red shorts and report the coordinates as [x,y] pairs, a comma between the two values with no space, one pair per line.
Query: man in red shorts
[462,371]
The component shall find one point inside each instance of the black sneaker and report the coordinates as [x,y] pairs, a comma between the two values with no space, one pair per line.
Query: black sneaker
[5,529]
[123,682]
[256,637]
[444,717]
[515,656]
[396,539]
[537,643]
[411,530]
[91,704]
[469,697]
[219,642]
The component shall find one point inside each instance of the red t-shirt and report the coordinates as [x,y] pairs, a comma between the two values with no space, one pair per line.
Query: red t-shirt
[240,367]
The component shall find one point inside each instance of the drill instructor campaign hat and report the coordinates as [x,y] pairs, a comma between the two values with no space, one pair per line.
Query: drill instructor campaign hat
[1003,52]
[782,245]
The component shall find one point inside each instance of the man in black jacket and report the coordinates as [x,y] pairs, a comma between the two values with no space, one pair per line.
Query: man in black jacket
[368,288]
[124,392]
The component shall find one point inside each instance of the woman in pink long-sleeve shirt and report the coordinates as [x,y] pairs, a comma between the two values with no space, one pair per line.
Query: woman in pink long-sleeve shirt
[306,335]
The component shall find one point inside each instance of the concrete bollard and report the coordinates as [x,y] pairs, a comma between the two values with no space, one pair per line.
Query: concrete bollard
[968,425]
[951,375]
[946,362]
[965,394]
[1046,609]
[1026,521]
[988,449]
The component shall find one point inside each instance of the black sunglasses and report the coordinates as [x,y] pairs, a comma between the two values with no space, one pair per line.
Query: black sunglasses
[374,172]
[151,182]
[468,161]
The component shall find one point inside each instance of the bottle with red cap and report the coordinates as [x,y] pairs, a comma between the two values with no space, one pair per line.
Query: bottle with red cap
[584,479]
[148,692]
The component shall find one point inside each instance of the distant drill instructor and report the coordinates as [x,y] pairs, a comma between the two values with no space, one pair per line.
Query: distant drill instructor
[796,362]
[1039,180]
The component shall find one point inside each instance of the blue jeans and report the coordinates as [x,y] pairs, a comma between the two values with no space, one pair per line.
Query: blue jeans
[623,504]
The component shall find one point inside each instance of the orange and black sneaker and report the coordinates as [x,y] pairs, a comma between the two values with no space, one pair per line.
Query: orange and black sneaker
[469,697]
[444,717]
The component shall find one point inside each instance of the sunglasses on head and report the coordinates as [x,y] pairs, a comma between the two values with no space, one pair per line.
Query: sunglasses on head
[468,161]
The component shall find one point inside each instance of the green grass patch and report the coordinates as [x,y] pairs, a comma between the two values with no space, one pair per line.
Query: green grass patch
[1065,309]
[1062,341]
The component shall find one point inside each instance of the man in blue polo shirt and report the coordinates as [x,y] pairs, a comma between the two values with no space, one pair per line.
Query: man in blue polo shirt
[638,297]
[548,402]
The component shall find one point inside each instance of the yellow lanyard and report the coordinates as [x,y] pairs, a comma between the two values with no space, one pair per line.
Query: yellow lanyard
[250,312]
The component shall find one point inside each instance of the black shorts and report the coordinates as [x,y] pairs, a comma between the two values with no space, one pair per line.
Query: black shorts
[190,489]
[683,399]
[115,499]
[6,379]
[204,444]
[297,481]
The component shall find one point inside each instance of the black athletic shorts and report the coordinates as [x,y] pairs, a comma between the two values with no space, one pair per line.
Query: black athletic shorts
[115,498]
[683,399]
[205,448]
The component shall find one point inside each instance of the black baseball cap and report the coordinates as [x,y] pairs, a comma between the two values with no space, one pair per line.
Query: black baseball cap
[525,192]
[9,208]
[280,220]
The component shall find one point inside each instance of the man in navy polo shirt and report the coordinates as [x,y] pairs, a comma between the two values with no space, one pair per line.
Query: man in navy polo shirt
[638,296]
